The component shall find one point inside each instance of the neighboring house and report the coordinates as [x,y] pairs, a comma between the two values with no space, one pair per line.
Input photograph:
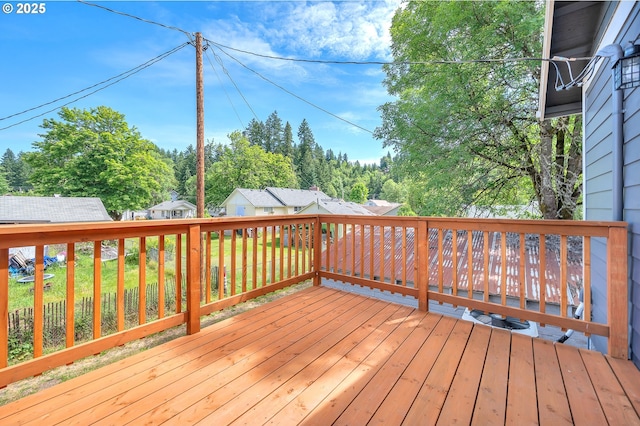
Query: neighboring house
[382,207]
[175,209]
[611,146]
[268,201]
[14,209]
[25,210]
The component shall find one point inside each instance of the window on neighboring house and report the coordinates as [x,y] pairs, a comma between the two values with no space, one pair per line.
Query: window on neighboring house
[268,209]
[297,209]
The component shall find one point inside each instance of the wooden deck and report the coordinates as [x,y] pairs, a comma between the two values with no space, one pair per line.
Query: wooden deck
[323,356]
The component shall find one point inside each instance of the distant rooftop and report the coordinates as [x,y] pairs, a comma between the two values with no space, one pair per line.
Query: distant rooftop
[16,209]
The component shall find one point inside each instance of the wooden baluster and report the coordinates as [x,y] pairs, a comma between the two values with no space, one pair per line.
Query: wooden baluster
[586,279]
[207,269]
[244,259]
[264,256]
[503,267]
[97,284]
[393,254]
[222,267]
[404,262]
[486,257]
[234,261]
[4,307]
[440,262]
[254,257]
[563,285]
[120,320]
[522,275]
[70,306]
[178,273]
[38,303]
[542,274]
[161,283]
[273,254]
[142,282]
[454,262]
[470,263]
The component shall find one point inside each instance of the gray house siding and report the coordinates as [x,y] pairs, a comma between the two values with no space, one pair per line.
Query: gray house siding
[598,182]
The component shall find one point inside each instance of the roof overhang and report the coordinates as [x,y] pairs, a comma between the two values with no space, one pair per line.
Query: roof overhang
[571,29]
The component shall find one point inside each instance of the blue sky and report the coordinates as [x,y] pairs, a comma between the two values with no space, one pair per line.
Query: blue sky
[72,46]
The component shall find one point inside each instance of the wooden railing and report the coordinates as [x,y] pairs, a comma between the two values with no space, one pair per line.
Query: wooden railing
[217,263]
[527,269]
[250,257]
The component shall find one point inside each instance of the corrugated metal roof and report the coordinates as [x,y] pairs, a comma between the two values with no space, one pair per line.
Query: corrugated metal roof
[531,266]
[15,209]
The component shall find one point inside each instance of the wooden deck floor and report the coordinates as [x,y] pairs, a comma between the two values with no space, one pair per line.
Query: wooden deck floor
[323,356]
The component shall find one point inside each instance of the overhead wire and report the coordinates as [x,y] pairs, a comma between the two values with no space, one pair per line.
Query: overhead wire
[148,21]
[293,94]
[117,78]
[583,74]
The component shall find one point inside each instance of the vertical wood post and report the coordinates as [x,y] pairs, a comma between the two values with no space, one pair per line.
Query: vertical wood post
[194,249]
[617,288]
[199,129]
[4,307]
[317,251]
[421,274]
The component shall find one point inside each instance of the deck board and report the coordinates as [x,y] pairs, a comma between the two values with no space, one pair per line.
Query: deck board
[322,356]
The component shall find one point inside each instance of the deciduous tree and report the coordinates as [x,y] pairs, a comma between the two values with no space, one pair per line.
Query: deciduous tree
[94,153]
[467,131]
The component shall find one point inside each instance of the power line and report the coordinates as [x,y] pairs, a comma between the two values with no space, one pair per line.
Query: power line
[293,94]
[148,21]
[89,87]
[431,62]
[117,78]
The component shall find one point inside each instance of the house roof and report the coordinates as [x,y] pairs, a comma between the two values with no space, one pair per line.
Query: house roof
[174,205]
[296,197]
[572,30]
[259,197]
[333,206]
[380,203]
[51,209]
[382,210]
[278,197]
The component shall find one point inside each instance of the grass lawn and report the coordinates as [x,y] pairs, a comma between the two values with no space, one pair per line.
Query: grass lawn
[21,294]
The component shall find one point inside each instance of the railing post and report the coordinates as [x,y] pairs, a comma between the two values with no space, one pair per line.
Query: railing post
[4,307]
[317,251]
[617,289]
[421,274]
[194,249]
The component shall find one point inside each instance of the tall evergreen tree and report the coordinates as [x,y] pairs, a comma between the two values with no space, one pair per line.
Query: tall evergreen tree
[273,133]
[287,147]
[255,132]
[305,163]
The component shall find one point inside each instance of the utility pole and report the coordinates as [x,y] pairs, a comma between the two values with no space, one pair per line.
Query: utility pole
[199,129]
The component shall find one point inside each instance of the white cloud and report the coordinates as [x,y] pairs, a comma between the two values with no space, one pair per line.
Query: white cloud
[354,30]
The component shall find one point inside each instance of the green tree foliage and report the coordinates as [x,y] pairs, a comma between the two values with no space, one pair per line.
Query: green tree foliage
[16,171]
[94,153]
[359,193]
[4,185]
[393,192]
[242,165]
[467,133]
